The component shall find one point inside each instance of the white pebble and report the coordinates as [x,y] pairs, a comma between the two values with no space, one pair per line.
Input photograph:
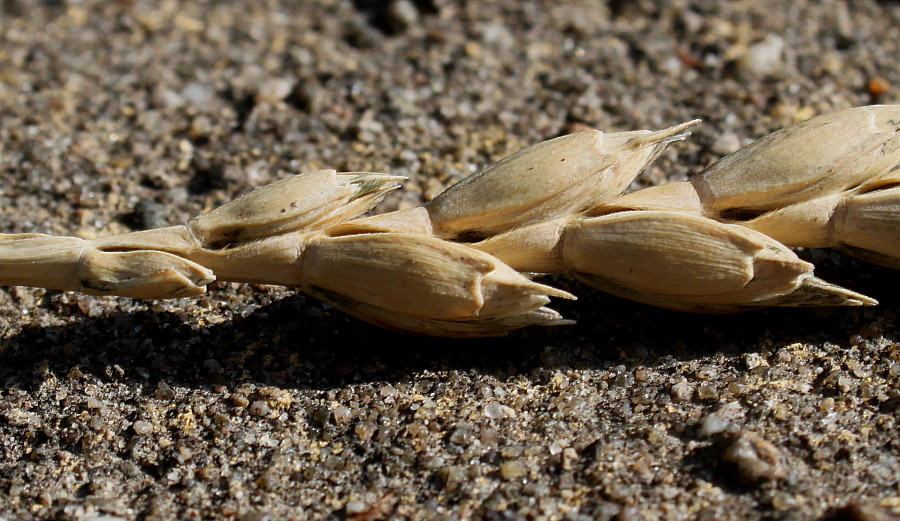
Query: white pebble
[494,411]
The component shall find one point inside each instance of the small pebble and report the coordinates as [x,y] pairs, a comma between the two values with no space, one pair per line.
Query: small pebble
[355,507]
[513,470]
[274,90]
[726,143]
[754,458]
[721,420]
[494,411]
[239,400]
[764,58]
[342,415]
[878,86]
[259,408]
[707,392]
[142,428]
[401,14]
[682,391]
[365,430]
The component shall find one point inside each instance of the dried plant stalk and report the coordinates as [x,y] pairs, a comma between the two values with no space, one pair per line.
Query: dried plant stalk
[69,263]
[707,245]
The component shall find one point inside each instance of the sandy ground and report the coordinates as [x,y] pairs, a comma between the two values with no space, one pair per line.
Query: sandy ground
[258,403]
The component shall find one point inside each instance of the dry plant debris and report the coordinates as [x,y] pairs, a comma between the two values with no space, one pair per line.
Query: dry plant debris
[461,265]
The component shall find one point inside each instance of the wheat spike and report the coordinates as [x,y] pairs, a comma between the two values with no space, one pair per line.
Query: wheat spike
[714,244]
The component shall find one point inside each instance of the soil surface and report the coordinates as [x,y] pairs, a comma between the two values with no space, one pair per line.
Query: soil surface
[260,403]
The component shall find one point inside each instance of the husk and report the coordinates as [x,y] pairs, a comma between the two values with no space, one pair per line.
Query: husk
[553,179]
[420,276]
[825,155]
[868,226]
[688,262]
[303,202]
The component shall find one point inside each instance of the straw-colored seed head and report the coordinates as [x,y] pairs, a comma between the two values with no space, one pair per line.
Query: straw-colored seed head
[824,155]
[687,262]
[552,179]
[302,202]
[413,282]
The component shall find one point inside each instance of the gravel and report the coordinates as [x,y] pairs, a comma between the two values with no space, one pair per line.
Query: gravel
[254,402]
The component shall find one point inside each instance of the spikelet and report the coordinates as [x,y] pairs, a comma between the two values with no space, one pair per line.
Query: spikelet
[825,155]
[141,274]
[676,260]
[313,200]
[552,179]
[687,262]
[813,185]
[259,237]
[420,284]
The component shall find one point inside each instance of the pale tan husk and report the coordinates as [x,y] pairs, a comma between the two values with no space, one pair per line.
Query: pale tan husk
[825,155]
[691,263]
[421,284]
[552,179]
[812,185]
[671,259]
